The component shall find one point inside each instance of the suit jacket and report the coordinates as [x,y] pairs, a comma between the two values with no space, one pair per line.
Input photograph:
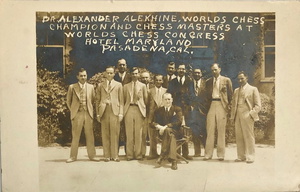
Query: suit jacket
[180,92]
[153,103]
[126,79]
[173,119]
[73,98]
[142,94]
[114,94]
[166,82]
[252,99]
[225,89]
[198,99]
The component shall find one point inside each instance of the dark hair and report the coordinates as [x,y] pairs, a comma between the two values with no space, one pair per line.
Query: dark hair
[135,68]
[122,59]
[182,64]
[110,67]
[81,70]
[244,73]
[197,68]
[158,75]
[215,64]
[171,63]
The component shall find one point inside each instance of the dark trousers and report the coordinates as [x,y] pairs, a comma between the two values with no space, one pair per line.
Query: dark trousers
[168,146]
[197,122]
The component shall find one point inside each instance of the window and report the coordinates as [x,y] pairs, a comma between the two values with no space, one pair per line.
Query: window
[268,69]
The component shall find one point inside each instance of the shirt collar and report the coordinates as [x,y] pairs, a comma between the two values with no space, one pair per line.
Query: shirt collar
[156,88]
[183,78]
[81,85]
[244,87]
[216,79]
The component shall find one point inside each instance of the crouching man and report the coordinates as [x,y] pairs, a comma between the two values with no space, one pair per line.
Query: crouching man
[167,120]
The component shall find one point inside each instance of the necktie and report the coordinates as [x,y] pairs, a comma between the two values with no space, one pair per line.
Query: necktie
[215,90]
[197,88]
[180,80]
[109,86]
[170,78]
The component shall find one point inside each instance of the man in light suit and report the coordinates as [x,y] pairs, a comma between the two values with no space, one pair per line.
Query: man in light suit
[80,98]
[135,97]
[197,115]
[245,107]
[219,95]
[122,75]
[146,79]
[171,69]
[109,110]
[155,101]
[167,120]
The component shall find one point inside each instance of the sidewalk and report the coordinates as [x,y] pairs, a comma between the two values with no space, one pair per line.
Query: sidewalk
[198,175]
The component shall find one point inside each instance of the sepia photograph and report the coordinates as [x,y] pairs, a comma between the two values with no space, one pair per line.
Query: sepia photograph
[157,99]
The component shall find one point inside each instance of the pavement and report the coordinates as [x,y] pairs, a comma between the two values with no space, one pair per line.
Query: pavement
[198,175]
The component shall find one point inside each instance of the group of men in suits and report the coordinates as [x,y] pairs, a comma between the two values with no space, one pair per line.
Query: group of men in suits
[160,109]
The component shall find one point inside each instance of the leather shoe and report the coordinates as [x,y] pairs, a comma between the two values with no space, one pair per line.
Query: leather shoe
[140,159]
[129,159]
[106,159]
[70,160]
[188,157]
[116,160]
[174,165]
[206,158]
[221,159]
[159,160]
[239,160]
[197,155]
[249,161]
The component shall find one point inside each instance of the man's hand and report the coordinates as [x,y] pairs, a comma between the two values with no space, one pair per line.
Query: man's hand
[162,129]
[98,118]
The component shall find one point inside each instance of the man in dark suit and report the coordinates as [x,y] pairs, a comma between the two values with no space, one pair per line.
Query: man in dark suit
[219,95]
[109,110]
[145,78]
[122,75]
[245,107]
[135,97]
[80,99]
[155,101]
[171,69]
[197,116]
[167,120]
[179,88]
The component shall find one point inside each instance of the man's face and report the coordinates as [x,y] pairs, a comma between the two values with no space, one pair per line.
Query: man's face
[82,77]
[181,70]
[122,66]
[242,79]
[110,73]
[145,77]
[197,74]
[215,70]
[158,81]
[167,100]
[135,75]
[171,69]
